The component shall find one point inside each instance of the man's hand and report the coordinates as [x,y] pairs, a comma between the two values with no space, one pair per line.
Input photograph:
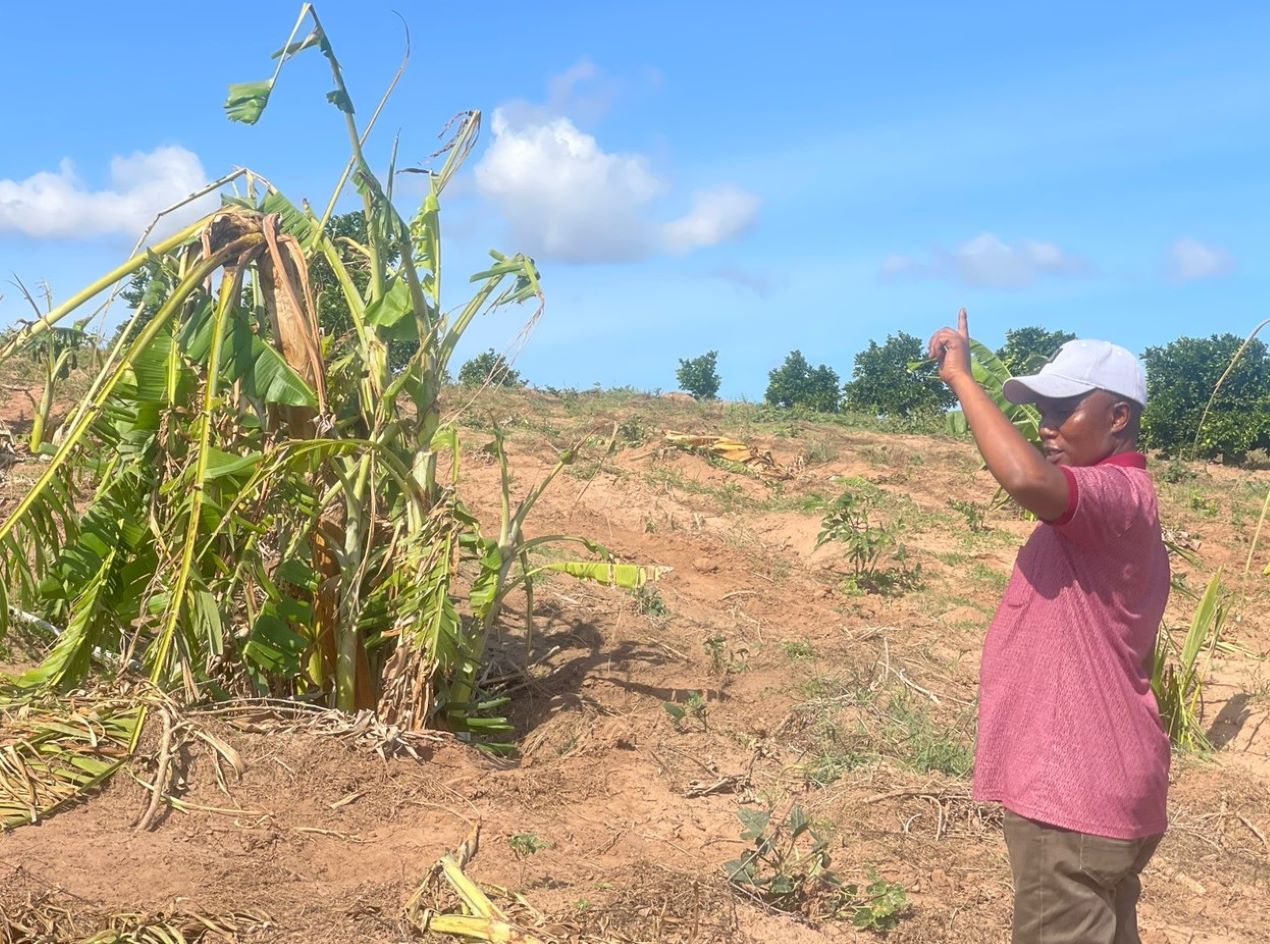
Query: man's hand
[951,349]
[1031,481]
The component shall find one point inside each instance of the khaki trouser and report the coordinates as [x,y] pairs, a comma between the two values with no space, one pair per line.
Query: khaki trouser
[1074,888]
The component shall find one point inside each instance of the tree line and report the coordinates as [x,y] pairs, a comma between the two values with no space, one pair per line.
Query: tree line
[884,380]
[893,380]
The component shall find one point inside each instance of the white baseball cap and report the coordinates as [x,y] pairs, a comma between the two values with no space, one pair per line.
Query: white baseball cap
[1079,367]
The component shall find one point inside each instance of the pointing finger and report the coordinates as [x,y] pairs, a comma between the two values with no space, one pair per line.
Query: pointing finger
[963,324]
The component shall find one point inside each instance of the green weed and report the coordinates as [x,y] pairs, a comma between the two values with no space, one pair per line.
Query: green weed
[920,743]
[798,649]
[789,867]
[694,707]
[526,844]
[725,660]
[973,513]
[649,602]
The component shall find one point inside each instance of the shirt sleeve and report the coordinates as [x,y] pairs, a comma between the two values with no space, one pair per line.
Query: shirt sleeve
[1103,505]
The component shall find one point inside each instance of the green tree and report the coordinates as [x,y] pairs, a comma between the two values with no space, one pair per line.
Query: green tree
[347,231]
[883,384]
[699,375]
[489,366]
[1027,349]
[797,384]
[148,288]
[1180,379]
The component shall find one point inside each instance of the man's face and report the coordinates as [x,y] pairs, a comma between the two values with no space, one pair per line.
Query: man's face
[1081,430]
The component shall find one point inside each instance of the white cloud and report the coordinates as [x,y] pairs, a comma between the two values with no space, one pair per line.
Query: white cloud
[716,216]
[1189,259]
[564,195]
[988,261]
[57,204]
[567,198]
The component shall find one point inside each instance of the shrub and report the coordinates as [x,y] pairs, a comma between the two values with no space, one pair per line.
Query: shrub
[883,384]
[1181,377]
[1027,349]
[489,367]
[797,384]
[700,376]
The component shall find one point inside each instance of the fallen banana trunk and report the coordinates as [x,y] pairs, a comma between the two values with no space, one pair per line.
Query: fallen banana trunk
[733,450]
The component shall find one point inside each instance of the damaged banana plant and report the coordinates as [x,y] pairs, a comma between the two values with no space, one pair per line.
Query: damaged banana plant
[247,501]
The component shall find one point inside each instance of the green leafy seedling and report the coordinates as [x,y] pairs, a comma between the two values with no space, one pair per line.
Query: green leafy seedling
[527,844]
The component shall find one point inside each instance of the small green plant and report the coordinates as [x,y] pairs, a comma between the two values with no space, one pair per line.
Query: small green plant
[819,450]
[723,658]
[995,578]
[881,905]
[973,512]
[1200,502]
[798,649]
[916,739]
[782,869]
[849,522]
[811,504]
[633,431]
[789,867]
[695,706]
[649,602]
[526,844]
[827,767]
[715,646]
[57,352]
[1176,471]
[1178,682]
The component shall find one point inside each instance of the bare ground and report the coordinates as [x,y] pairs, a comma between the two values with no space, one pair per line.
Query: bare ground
[859,708]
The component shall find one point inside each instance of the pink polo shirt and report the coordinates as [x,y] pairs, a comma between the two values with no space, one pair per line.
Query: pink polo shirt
[1069,730]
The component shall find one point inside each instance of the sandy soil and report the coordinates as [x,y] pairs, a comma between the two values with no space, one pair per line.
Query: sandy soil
[858,708]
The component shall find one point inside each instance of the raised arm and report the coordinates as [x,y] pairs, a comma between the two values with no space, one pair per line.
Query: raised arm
[1023,472]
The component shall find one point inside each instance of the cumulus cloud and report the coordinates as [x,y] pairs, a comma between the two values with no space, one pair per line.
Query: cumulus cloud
[716,216]
[988,261]
[1190,259]
[58,204]
[568,198]
[565,195]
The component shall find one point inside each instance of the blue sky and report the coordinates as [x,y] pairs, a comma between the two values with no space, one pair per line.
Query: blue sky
[700,176]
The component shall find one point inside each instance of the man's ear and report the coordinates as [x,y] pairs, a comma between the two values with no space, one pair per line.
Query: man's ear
[1122,416]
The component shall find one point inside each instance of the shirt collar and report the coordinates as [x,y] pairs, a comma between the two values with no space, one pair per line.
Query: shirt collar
[1134,460]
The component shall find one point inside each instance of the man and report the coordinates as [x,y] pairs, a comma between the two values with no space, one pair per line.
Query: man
[1070,739]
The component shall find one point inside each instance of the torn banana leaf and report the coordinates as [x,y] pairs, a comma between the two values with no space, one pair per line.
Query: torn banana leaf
[626,576]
